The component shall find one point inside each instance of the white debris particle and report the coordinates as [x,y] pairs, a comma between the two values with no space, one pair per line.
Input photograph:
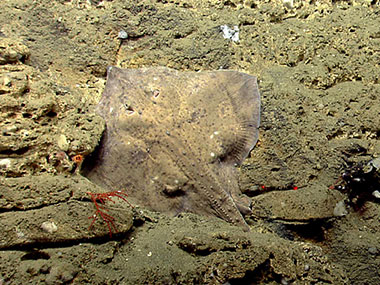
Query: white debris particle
[376,194]
[5,163]
[288,4]
[49,227]
[149,253]
[214,134]
[340,209]
[123,35]
[212,154]
[62,142]
[230,33]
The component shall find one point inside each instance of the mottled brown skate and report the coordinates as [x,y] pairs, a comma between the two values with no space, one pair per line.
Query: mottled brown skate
[173,139]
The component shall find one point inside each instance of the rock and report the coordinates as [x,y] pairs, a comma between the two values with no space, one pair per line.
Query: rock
[28,208]
[12,51]
[14,80]
[63,273]
[297,206]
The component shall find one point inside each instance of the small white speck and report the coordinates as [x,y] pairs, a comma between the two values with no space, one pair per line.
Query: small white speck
[122,35]
[216,133]
[288,4]
[230,33]
[111,109]
[5,163]
[176,181]
[49,227]
[340,209]
[149,253]
[212,154]
[376,194]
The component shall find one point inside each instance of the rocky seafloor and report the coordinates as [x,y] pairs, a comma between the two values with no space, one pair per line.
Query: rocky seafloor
[317,63]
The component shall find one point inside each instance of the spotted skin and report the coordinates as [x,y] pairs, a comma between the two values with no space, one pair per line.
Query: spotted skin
[173,139]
